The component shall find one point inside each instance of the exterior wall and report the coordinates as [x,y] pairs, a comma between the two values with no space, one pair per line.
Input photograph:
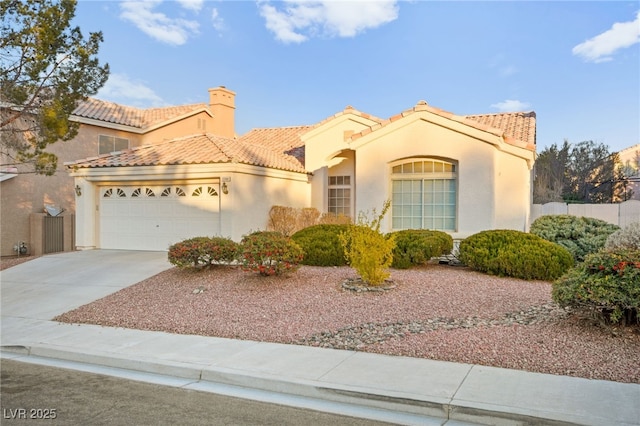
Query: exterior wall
[486,177]
[28,193]
[194,124]
[513,195]
[251,193]
[323,146]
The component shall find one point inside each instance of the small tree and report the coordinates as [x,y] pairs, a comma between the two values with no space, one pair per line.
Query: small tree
[46,68]
[367,250]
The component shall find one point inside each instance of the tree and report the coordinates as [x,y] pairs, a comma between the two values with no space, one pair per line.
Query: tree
[592,176]
[550,174]
[582,173]
[46,69]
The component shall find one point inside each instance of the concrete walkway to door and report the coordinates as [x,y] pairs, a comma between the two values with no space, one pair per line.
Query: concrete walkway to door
[399,390]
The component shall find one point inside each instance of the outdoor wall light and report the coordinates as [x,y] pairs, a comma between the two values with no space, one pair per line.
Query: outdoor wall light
[225,188]
[78,190]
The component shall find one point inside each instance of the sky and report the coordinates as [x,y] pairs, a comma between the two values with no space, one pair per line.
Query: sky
[576,64]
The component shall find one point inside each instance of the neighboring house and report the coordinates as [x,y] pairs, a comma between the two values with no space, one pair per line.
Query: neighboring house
[629,159]
[104,127]
[460,174]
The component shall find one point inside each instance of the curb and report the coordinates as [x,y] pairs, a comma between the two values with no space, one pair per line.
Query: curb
[442,409]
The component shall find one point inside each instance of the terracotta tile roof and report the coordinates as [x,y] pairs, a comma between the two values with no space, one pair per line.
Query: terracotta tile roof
[110,112]
[350,110]
[288,139]
[195,149]
[281,139]
[516,128]
[519,126]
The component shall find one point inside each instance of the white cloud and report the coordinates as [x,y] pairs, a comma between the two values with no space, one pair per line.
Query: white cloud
[601,47]
[194,5]
[296,20]
[156,24]
[511,105]
[119,88]
[216,21]
[508,70]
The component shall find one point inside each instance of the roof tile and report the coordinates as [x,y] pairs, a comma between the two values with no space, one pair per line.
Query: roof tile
[195,149]
[110,112]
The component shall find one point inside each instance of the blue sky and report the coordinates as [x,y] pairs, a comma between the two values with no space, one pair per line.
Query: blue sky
[576,64]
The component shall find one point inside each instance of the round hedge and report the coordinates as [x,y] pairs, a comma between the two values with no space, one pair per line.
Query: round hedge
[580,235]
[321,245]
[418,246]
[515,254]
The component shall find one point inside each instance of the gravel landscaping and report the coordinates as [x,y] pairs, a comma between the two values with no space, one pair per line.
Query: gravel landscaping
[436,311]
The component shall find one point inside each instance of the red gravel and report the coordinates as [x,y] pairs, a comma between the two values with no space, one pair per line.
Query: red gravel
[242,305]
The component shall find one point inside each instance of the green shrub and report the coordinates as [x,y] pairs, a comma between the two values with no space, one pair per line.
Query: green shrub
[367,250]
[418,246]
[321,245]
[579,235]
[607,282]
[627,238]
[203,251]
[270,253]
[515,254]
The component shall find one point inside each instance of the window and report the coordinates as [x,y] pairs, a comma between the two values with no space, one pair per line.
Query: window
[340,195]
[424,194]
[111,143]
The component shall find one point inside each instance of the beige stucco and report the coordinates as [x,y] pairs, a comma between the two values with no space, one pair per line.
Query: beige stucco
[28,193]
[493,181]
[251,192]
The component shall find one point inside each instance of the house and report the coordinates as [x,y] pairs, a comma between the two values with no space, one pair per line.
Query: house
[459,174]
[104,127]
[629,160]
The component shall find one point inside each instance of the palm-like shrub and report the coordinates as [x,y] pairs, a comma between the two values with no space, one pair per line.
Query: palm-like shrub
[579,235]
[515,254]
[367,250]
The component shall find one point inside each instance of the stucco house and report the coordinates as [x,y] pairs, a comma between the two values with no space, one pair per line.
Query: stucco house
[104,127]
[460,174]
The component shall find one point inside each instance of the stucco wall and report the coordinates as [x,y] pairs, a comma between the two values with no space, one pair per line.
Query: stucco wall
[252,194]
[28,193]
[493,184]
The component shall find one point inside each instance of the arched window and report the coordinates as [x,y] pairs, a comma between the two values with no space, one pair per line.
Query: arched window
[424,194]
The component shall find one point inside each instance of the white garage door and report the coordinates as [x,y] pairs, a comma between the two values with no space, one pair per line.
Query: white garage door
[152,217]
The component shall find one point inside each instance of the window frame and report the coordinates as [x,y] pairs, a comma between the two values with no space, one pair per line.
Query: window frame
[443,170]
[339,184]
[113,140]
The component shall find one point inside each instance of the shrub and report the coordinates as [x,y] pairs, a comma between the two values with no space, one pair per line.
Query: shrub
[289,220]
[203,251]
[515,254]
[270,253]
[321,245]
[607,282]
[367,250]
[627,238]
[418,246]
[579,235]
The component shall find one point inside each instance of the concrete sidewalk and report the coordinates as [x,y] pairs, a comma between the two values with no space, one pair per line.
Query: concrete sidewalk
[402,390]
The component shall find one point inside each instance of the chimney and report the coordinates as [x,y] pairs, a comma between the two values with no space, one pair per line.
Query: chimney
[222,104]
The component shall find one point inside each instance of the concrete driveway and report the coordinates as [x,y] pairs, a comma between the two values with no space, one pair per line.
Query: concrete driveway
[53,284]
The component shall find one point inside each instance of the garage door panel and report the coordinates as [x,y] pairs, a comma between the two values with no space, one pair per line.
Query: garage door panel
[154,217]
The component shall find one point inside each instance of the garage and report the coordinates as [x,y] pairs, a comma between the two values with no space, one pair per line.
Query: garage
[153,216]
